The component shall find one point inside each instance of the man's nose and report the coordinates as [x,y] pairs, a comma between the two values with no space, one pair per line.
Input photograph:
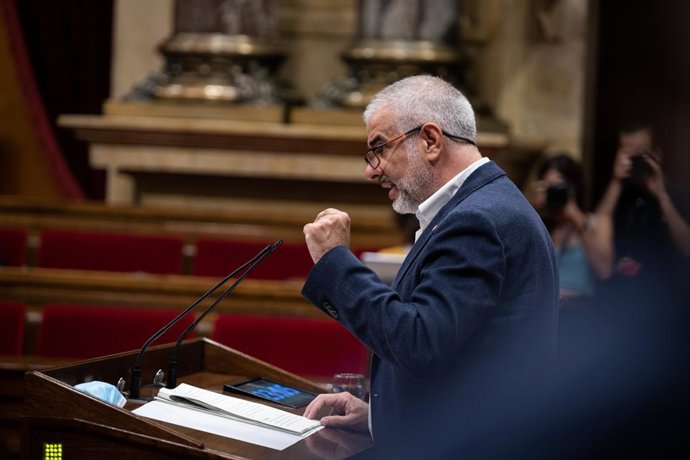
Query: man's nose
[371,173]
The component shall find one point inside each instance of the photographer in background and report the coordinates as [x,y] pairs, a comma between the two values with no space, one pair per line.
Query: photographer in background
[583,242]
[648,291]
[649,230]
[644,305]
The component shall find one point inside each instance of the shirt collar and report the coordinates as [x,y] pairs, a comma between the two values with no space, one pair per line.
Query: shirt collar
[432,205]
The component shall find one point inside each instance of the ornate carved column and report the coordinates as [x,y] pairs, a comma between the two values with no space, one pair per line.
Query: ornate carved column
[395,39]
[220,50]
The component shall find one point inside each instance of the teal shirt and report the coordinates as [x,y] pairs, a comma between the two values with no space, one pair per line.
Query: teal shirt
[574,272]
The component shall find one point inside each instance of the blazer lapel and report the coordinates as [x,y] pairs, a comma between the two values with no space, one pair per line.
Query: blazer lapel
[482,176]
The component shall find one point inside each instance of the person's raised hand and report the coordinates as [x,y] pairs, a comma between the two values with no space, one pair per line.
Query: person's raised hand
[622,165]
[655,181]
[331,228]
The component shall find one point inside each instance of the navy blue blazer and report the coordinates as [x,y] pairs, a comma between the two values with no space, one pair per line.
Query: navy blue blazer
[467,326]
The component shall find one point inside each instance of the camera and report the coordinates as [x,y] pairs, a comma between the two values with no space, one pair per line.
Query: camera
[640,170]
[557,196]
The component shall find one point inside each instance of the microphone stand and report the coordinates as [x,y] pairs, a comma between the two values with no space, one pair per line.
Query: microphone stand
[135,384]
[172,365]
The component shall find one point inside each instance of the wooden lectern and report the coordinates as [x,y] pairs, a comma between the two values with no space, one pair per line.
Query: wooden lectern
[61,422]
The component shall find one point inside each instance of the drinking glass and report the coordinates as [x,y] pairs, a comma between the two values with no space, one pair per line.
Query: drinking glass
[354,384]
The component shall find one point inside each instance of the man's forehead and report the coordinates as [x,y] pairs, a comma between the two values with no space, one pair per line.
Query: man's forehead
[379,126]
[636,138]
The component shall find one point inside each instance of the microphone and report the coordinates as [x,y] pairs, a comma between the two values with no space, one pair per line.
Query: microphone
[252,264]
[135,384]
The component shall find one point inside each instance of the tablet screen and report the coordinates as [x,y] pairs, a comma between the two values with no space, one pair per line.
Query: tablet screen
[272,391]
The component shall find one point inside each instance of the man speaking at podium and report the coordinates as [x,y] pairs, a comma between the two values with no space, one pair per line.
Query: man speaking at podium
[465,337]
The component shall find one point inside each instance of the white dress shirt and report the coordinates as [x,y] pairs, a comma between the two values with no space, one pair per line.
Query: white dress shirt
[432,205]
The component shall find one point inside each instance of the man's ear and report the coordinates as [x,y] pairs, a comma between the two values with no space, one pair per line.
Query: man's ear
[432,140]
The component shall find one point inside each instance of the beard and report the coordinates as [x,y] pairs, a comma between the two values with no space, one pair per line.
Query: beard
[413,187]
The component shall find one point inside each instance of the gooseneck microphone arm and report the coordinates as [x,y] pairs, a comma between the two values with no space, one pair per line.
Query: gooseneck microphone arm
[135,384]
[251,265]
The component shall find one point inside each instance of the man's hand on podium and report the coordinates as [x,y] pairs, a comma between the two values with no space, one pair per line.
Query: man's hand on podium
[346,411]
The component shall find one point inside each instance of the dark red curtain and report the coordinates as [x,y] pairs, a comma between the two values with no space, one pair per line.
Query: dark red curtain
[68,44]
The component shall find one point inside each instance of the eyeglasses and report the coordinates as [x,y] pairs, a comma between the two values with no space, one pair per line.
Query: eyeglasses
[373,155]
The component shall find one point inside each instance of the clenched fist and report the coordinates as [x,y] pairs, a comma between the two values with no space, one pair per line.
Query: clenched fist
[331,228]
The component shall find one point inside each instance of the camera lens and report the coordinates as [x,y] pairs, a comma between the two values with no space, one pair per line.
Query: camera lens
[640,170]
[557,196]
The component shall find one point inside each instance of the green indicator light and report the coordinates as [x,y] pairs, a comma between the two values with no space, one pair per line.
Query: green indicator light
[52,451]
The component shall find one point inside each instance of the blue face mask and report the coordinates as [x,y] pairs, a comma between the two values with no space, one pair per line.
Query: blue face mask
[103,391]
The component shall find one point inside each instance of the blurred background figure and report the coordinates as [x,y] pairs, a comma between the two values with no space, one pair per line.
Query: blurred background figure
[651,234]
[583,241]
[646,300]
[648,291]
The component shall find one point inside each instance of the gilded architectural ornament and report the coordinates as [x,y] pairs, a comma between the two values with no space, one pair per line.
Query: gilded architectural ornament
[220,50]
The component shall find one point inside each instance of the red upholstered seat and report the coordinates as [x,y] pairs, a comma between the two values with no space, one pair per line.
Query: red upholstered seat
[315,348]
[12,247]
[80,250]
[12,320]
[81,331]
[219,257]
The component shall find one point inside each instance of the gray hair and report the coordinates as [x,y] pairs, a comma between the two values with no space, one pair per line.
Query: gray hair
[422,99]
